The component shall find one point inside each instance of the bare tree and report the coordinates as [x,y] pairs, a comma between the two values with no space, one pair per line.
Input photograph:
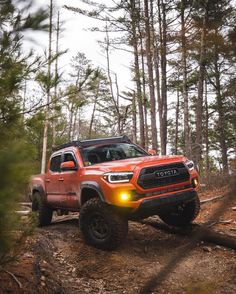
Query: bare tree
[56,79]
[150,74]
[220,109]
[201,74]
[162,102]
[177,123]
[134,15]
[207,131]
[114,99]
[47,109]
[143,77]
[94,106]
[134,119]
[184,84]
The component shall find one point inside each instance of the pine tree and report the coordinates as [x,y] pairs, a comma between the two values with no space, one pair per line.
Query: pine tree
[15,153]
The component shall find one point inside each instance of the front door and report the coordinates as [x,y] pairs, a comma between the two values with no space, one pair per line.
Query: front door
[69,185]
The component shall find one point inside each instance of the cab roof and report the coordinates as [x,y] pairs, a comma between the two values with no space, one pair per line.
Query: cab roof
[93,142]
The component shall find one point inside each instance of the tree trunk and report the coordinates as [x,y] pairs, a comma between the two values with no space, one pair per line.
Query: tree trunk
[74,123]
[156,59]
[94,109]
[208,235]
[150,75]
[163,102]
[145,100]
[176,124]
[47,109]
[134,119]
[184,84]
[111,82]
[56,82]
[201,74]
[221,122]
[207,132]
[134,15]
[71,114]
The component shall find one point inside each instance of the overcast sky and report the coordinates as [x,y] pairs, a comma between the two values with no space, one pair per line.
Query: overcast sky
[77,38]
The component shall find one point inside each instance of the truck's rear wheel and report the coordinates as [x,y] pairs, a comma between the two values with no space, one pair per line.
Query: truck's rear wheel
[101,226]
[183,215]
[44,212]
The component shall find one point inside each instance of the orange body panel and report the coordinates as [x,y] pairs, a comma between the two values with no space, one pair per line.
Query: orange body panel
[63,189]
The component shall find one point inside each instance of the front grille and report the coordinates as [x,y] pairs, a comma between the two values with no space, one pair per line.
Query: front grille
[164,175]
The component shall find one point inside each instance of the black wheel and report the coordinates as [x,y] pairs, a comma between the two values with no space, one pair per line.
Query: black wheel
[183,215]
[101,226]
[44,212]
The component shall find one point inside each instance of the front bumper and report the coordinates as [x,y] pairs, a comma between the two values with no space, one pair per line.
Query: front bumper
[154,206]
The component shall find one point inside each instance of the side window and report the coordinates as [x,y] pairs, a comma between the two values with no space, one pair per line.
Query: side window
[69,157]
[55,163]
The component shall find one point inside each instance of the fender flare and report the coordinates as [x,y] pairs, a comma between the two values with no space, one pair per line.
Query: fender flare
[91,185]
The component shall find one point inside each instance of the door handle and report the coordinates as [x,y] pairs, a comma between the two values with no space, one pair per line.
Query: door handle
[47,180]
[61,179]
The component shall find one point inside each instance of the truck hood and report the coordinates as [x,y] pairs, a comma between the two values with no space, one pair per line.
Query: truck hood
[132,163]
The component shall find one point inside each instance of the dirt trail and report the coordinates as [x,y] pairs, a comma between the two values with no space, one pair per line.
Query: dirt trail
[56,260]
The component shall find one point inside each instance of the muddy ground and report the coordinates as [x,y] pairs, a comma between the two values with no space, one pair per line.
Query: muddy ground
[56,260]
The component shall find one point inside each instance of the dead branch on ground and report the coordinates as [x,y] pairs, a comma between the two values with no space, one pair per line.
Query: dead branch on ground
[208,235]
[213,199]
[13,276]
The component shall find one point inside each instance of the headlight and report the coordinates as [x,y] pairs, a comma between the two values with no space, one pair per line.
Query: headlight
[190,164]
[118,177]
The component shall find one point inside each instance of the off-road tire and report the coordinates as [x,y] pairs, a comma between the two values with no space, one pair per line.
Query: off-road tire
[96,215]
[43,210]
[183,215]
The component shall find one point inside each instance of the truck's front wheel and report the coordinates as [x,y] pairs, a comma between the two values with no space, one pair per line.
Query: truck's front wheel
[183,215]
[44,212]
[101,226]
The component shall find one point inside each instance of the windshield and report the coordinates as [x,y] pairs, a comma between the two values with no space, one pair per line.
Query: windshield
[105,153]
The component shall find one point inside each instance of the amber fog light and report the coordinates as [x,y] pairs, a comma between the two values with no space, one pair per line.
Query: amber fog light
[125,196]
[195,182]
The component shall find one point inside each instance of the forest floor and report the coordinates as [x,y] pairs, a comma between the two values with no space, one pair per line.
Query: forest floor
[56,260]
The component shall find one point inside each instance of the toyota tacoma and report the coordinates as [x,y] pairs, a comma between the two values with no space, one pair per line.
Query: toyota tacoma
[111,181]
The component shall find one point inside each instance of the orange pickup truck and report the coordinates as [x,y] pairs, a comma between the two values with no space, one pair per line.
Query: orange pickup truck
[110,181]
